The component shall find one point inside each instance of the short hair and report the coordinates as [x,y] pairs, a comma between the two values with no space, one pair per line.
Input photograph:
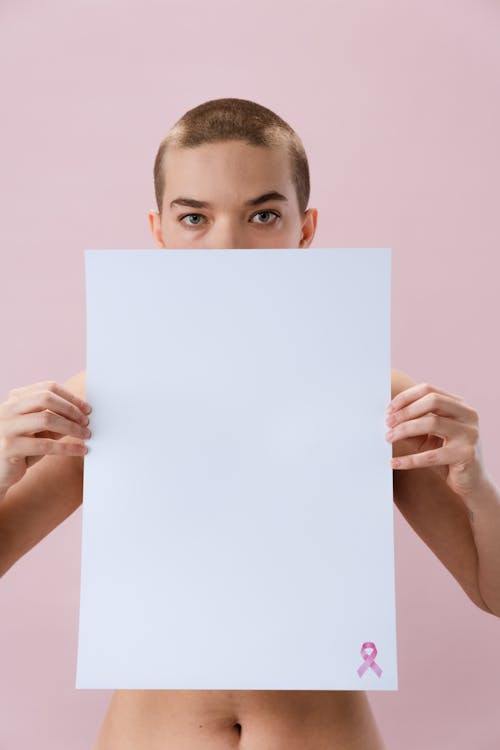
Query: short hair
[235,119]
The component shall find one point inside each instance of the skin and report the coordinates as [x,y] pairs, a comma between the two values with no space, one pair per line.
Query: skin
[227,175]
[47,420]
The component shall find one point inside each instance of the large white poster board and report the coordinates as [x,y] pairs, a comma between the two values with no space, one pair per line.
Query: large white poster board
[238,510]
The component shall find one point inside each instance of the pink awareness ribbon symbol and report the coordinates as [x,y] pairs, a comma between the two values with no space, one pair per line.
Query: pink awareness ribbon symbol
[369,659]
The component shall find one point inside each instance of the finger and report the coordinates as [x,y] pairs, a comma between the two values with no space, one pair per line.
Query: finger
[55,388]
[439,456]
[417,391]
[436,403]
[40,421]
[30,460]
[18,448]
[433,424]
[32,401]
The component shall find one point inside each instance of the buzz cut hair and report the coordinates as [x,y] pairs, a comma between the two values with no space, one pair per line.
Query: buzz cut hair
[229,119]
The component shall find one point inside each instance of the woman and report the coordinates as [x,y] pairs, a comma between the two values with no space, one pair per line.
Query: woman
[243,174]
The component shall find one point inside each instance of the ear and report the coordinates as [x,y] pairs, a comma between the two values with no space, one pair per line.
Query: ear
[309,223]
[155,226]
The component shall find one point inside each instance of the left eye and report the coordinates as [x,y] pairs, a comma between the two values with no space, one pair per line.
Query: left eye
[259,213]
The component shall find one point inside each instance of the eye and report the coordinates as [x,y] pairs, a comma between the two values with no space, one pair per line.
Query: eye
[259,213]
[188,224]
[200,216]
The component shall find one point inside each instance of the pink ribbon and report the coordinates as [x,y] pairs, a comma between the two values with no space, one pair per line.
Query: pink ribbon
[369,659]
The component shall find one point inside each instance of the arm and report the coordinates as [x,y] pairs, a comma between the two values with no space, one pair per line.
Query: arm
[46,495]
[467,545]
[485,524]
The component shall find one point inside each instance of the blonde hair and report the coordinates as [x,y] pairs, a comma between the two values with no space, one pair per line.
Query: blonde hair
[235,119]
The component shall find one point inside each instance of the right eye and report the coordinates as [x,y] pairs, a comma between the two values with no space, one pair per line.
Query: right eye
[188,224]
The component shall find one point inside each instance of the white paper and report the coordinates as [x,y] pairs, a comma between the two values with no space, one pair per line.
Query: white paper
[238,510]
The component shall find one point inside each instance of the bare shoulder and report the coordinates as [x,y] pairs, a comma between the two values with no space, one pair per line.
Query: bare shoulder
[77,383]
[400,381]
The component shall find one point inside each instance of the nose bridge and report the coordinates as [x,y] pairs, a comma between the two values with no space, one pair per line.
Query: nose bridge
[227,232]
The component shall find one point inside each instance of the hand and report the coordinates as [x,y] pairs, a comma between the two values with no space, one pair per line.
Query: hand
[32,421]
[450,435]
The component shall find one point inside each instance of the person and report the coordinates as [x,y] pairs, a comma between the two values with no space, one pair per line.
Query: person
[232,174]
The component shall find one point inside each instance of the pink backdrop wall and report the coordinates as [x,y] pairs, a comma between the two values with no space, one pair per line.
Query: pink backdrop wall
[398,105]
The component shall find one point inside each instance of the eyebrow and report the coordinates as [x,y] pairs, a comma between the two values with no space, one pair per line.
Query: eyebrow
[272,195]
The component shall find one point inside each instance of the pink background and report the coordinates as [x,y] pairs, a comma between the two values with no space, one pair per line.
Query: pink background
[398,105]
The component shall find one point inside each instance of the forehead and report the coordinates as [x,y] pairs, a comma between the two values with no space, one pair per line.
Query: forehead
[227,168]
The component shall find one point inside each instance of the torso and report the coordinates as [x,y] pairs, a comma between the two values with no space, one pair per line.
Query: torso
[243,719]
